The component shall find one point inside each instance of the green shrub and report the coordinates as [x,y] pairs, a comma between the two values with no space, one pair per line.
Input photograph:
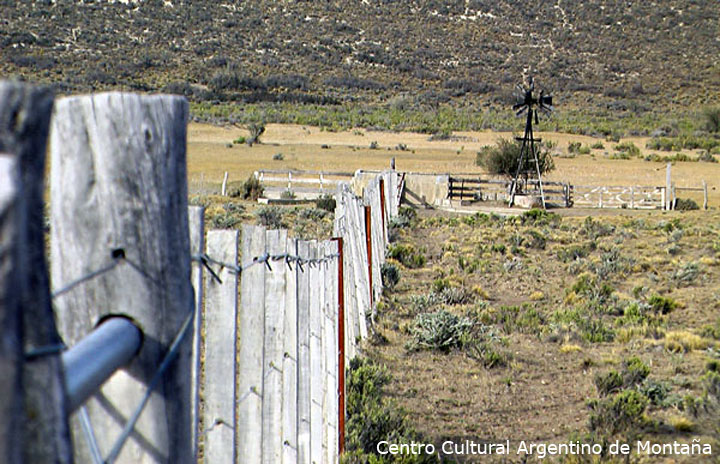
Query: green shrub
[252,189]
[231,216]
[574,147]
[270,216]
[239,141]
[707,157]
[287,195]
[711,384]
[686,275]
[589,327]
[597,146]
[607,383]
[390,275]
[623,412]
[440,330]
[662,305]
[502,159]
[686,204]
[711,331]
[486,353]
[326,202]
[629,148]
[711,116]
[592,288]
[372,417]
[635,371]
[656,392]
[523,319]
[595,229]
[538,217]
[278,157]
[573,253]
[407,254]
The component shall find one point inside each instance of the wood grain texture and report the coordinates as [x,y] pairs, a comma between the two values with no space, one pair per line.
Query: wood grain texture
[274,349]
[119,183]
[24,123]
[220,349]
[196,224]
[249,426]
[303,343]
[290,366]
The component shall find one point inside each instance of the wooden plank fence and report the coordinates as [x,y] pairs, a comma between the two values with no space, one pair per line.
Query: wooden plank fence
[290,407]
[472,189]
[301,184]
[242,357]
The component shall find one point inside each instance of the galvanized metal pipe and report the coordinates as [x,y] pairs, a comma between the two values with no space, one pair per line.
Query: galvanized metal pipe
[96,357]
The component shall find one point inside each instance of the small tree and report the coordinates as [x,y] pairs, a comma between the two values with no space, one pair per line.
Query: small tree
[256,129]
[712,118]
[502,159]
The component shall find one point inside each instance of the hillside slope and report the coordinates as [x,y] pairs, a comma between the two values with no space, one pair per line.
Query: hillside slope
[653,52]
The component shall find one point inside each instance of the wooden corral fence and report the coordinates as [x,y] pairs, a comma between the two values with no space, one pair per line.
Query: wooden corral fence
[300,184]
[479,189]
[234,350]
[633,197]
[475,188]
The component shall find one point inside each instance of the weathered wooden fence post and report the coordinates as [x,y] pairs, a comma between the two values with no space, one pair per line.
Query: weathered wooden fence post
[220,349]
[249,427]
[196,223]
[330,340]
[668,187]
[705,195]
[290,359]
[274,348]
[24,122]
[316,352]
[12,273]
[120,235]
[303,344]
[369,247]
[341,346]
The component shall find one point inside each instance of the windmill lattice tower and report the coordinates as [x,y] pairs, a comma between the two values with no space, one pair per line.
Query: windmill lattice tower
[528,162]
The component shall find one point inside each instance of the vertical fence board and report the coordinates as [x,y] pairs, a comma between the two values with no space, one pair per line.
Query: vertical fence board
[12,273]
[360,261]
[315,358]
[119,183]
[249,425]
[290,368]
[24,122]
[331,352]
[196,223]
[276,244]
[323,333]
[220,349]
[303,344]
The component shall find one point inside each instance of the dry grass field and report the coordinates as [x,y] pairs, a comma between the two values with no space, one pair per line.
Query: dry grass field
[211,153]
[557,306]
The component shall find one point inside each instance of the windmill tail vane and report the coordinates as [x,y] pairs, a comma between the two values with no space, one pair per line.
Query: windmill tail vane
[528,103]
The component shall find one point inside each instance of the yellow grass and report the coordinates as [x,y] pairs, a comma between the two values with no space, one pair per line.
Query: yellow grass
[682,342]
[209,156]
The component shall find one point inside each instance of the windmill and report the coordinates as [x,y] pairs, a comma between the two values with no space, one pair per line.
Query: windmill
[527,102]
